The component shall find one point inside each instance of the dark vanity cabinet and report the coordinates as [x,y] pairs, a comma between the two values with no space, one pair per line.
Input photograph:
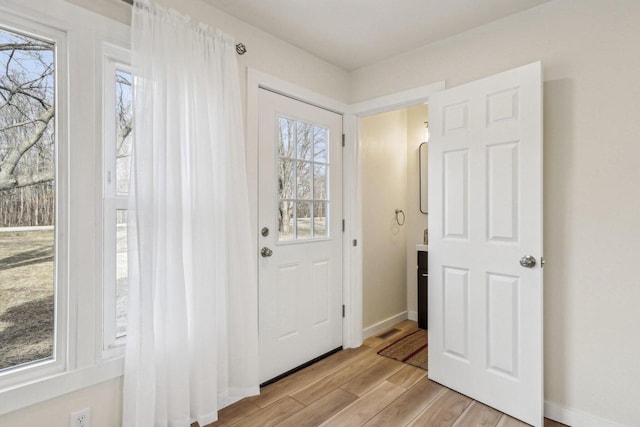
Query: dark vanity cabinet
[423,279]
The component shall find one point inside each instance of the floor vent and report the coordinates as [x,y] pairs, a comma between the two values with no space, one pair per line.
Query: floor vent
[388,333]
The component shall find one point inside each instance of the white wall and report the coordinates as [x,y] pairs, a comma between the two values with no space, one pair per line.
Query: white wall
[384,188]
[104,400]
[416,221]
[591,61]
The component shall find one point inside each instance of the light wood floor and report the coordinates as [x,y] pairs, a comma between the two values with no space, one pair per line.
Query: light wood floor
[357,387]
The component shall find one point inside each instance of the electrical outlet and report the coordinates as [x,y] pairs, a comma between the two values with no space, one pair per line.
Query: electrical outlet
[81,418]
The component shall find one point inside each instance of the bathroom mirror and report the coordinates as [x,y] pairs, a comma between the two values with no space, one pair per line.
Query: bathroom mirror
[424,202]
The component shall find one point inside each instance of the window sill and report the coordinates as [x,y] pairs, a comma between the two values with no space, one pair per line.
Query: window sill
[23,395]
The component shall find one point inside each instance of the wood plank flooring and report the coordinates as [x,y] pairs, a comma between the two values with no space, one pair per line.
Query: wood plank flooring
[357,387]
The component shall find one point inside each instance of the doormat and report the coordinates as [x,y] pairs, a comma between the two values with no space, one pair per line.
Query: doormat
[410,349]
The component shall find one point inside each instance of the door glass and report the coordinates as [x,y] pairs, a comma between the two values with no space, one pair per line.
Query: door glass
[320,182]
[303,176]
[285,141]
[285,220]
[304,180]
[286,187]
[305,140]
[320,144]
[303,220]
[320,210]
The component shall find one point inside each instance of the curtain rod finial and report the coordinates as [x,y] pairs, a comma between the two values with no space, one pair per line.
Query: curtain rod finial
[241,49]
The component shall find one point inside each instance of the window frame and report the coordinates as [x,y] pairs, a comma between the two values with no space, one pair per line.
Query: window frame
[114,58]
[59,360]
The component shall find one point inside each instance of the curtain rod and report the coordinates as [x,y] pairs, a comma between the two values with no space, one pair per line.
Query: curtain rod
[240,47]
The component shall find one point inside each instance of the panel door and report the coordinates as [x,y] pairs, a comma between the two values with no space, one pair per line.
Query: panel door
[300,233]
[485,198]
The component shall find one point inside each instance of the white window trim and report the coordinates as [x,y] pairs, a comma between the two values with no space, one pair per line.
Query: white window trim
[113,58]
[57,363]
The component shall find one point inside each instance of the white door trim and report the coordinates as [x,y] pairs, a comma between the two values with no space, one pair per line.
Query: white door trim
[352,174]
[351,177]
[396,101]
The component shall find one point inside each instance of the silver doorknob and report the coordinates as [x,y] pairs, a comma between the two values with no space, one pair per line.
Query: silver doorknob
[266,252]
[528,261]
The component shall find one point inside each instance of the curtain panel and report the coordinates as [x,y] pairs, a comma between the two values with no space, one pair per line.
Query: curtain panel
[192,343]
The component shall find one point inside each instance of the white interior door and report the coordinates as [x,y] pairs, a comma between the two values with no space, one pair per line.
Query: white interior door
[300,233]
[485,200]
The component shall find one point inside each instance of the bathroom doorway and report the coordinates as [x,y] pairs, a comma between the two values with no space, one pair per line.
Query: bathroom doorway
[393,226]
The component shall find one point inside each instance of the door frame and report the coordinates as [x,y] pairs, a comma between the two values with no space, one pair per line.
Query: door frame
[394,101]
[352,290]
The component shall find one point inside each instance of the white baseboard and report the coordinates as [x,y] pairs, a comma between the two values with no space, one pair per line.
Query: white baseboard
[574,417]
[384,324]
[413,315]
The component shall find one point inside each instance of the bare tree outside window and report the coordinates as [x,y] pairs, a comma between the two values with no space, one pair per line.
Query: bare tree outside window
[27,199]
[303,172]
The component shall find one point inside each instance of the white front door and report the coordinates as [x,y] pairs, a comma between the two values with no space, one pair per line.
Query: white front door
[300,233]
[485,200]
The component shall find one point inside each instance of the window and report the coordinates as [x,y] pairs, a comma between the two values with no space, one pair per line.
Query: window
[303,175]
[117,122]
[29,319]
[51,199]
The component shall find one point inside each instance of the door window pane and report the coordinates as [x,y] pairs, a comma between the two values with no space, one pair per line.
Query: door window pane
[304,180]
[286,141]
[303,220]
[320,146]
[305,141]
[320,182]
[320,211]
[286,178]
[285,220]
[27,199]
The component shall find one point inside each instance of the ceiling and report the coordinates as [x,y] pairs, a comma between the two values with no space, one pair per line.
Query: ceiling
[356,33]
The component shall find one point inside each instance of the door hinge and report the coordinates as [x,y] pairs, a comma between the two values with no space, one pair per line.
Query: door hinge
[343,225]
[355,242]
[343,310]
[343,139]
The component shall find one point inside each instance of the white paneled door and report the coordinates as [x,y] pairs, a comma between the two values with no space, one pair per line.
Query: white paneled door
[485,248]
[300,233]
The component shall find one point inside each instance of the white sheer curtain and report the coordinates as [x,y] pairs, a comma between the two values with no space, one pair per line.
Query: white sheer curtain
[192,343]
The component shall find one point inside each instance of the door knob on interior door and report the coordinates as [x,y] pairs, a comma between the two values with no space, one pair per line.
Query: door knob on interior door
[266,252]
[528,261]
